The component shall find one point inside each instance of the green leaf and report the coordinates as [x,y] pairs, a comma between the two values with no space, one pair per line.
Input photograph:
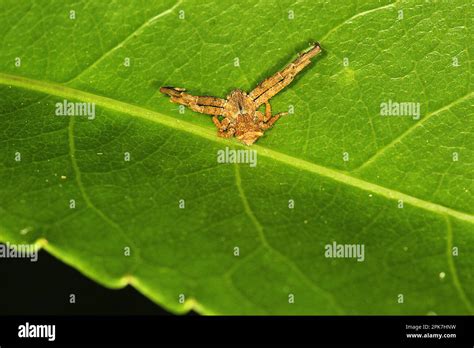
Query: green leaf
[404,191]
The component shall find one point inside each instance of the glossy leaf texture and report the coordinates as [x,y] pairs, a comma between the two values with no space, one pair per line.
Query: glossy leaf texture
[224,238]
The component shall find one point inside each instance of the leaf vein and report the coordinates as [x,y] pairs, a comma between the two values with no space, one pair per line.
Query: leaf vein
[411,129]
[269,247]
[130,36]
[209,134]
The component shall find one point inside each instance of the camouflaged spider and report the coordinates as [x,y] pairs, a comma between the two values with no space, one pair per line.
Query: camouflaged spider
[239,112]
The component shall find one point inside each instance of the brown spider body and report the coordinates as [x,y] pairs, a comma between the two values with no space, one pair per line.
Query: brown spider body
[239,111]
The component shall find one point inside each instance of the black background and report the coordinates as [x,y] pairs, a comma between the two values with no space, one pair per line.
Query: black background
[43,288]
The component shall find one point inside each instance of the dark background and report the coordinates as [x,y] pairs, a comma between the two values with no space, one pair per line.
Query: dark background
[43,288]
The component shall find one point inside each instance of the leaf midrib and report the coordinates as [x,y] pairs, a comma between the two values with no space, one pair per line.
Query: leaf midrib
[59,90]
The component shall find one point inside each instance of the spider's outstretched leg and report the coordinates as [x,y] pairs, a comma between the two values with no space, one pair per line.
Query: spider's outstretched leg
[202,104]
[274,84]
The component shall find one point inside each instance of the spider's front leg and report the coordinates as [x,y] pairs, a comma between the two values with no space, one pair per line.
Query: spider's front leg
[275,83]
[203,104]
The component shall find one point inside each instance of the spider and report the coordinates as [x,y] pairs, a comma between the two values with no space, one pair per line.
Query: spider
[238,114]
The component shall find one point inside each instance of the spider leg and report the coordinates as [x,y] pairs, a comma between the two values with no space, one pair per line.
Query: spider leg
[226,134]
[260,117]
[274,84]
[202,104]
[217,122]
[268,111]
[222,126]
[282,114]
[272,120]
